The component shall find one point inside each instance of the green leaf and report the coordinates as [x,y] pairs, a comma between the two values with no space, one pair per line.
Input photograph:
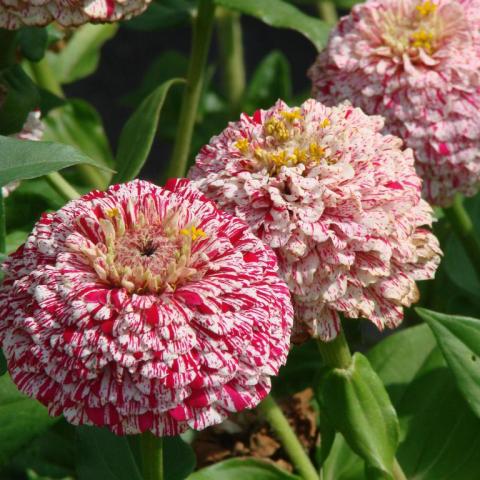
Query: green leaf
[459,340]
[22,419]
[440,434]
[271,81]
[101,455]
[169,13]
[178,457]
[33,42]
[21,98]
[357,405]
[242,469]
[280,14]
[138,134]
[22,159]
[78,124]
[81,55]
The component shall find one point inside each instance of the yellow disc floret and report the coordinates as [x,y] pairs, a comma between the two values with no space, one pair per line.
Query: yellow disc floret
[426,8]
[423,39]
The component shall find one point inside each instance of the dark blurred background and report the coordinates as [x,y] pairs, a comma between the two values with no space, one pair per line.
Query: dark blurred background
[125,61]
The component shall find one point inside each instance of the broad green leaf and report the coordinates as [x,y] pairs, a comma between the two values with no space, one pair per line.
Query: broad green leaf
[21,98]
[33,42]
[81,55]
[101,455]
[242,469]
[78,124]
[21,419]
[22,159]
[271,81]
[138,134]
[357,405]
[280,14]
[168,13]
[459,340]
[178,458]
[440,436]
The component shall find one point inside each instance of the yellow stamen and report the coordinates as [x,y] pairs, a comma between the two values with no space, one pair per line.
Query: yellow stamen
[276,128]
[193,232]
[426,8]
[316,151]
[293,115]
[423,39]
[113,212]
[325,123]
[242,145]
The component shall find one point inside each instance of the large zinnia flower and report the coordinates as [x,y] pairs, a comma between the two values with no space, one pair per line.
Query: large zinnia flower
[417,63]
[144,308]
[339,203]
[18,13]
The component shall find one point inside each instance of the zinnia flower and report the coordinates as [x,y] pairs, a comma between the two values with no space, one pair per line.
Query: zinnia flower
[18,13]
[144,308]
[32,130]
[417,63]
[339,203]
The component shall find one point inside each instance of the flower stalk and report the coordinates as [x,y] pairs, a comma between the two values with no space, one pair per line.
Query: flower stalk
[152,456]
[202,34]
[58,182]
[462,225]
[328,11]
[277,420]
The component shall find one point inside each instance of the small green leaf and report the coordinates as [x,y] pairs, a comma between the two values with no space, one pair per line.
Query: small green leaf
[280,14]
[101,455]
[271,81]
[21,98]
[459,340]
[81,55]
[22,419]
[242,469]
[178,458]
[138,134]
[22,159]
[33,42]
[357,405]
[169,13]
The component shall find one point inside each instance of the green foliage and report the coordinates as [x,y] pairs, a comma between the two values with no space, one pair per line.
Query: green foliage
[357,405]
[81,55]
[242,469]
[138,134]
[33,42]
[26,159]
[179,458]
[21,418]
[459,340]
[21,97]
[280,14]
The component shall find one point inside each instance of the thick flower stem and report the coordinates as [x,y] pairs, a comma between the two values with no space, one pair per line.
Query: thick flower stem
[275,417]
[3,227]
[202,34]
[7,47]
[463,227]
[230,41]
[328,11]
[62,186]
[336,354]
[152,457]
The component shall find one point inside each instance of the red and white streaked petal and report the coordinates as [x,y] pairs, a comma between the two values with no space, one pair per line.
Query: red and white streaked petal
[348,230]
[432,101]
[134,361]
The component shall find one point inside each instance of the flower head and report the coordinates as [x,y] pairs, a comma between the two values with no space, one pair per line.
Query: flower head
[339,203]
[15,14]
[144,308]
[417,63]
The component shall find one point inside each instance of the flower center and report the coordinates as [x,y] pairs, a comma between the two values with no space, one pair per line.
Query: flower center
[284,143]
[149,254]
[420,31]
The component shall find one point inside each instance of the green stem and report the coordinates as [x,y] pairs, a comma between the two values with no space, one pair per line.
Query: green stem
[336,353]
[397,471]
[3,225]
[45,77]
[7,47]
[275,417]
[202,34]
[62,186]
[152,456]
[328,11]
[463,227]
[230,42]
